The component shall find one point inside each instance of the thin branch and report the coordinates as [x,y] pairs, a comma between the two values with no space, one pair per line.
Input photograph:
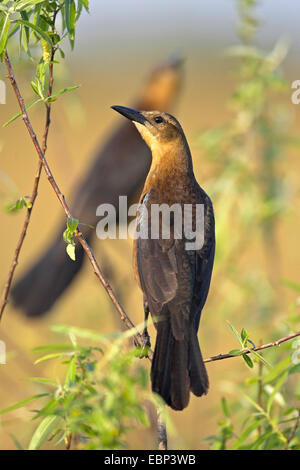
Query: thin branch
[258,348]
[260,389]
[6,289]
[161,431]
[293,431]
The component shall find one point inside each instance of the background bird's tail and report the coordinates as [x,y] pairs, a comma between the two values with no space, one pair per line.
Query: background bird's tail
[37,291]
[177,367]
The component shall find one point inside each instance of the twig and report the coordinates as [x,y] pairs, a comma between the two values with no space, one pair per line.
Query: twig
[260,389]
[293,430]
[161,431]
[6,289]
[258,348]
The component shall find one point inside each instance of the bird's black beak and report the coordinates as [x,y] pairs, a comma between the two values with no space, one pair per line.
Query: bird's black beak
[130,113]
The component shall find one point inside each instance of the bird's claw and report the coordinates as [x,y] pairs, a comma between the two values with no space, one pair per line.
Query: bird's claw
[144,345]
[146,339]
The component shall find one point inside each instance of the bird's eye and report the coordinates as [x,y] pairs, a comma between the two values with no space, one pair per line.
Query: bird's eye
[158,119]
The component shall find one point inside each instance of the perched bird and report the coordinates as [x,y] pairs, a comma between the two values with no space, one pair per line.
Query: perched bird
[119,168]
[173,275]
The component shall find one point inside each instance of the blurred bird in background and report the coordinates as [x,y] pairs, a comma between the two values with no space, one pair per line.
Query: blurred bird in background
[174,277]
[119,168]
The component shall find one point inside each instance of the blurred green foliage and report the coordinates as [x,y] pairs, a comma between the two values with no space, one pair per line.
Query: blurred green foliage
[251,191]
[102,395]
[251,194]
[264,418]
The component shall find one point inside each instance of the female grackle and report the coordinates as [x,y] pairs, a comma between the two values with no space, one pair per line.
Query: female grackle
[173,274]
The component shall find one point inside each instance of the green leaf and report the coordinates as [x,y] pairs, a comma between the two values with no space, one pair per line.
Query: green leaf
[278,398]
[225,407]
[248,360]
[47,357]
[43,431]
[261,358]
[16,442]
[292,285]
[277,387]
[13,30]
[260,440]
[277,370]
[71,372]
[71,251]
[79,332]
[43,381]
[68,236]
[295,369]
[48,409]
[244,336]
[20,404]
[4,34]
[235,333]
[55,347]
[85,3]
[65,90]
[35,88]
[256,405]
[37,30]
[70,15]
[26,3]
[39,100]
[72,224]
[246,433]
[19,204]
[235,352]
[67,13]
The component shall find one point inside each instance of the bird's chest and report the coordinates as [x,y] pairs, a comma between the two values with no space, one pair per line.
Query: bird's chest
[169,187]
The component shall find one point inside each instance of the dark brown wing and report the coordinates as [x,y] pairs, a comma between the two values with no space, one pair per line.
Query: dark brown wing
[175,281]
[204,259]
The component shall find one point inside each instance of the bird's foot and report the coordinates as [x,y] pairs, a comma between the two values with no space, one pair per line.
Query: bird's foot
[144,347]
[146,339]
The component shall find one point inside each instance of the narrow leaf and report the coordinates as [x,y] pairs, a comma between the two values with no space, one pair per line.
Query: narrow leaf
[20,404]
[235,334]
[71,251]
[248,360]
[277,387]
[19,114]
[292,285]
[71,372]
[37,30]
[246,433]
[4,34]
[43,381]
[47,357]
[43,431]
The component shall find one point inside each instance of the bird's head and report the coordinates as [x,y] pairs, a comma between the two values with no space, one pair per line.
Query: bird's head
[163,84]
[158,129]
